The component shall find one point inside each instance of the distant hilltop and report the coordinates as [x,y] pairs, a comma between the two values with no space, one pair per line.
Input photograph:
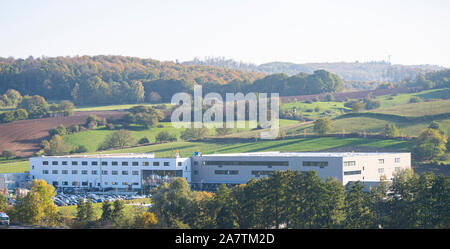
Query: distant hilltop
[348,71]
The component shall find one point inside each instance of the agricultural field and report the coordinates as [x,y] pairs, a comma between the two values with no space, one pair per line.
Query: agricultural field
[186,149]
[299,144]
[417,109]
[325,109]
[15,167]
[24,136]
[111,107]
[93,138]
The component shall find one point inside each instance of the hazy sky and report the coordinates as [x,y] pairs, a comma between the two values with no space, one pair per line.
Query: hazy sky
[413,32]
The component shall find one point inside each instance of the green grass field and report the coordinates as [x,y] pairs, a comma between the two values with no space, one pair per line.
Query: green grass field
[15,167]
[110,107]
[93,138]
[326,109]
[186,149]
[417,109]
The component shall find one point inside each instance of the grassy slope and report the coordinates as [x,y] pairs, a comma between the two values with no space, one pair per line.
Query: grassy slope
[93,138]
[302,144]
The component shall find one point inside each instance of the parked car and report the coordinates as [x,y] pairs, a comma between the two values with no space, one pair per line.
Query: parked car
[4,219]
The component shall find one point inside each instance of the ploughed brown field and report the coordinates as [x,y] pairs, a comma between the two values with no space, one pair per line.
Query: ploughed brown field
[25,136]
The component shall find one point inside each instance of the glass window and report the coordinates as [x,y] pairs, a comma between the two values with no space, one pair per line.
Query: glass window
[380,170]
[65,172]
[84,172]
[45,163]
[145,163]
[354,172]
[84,183]
[124,163]
[247,163]
[104,163]
[54,162]
[397,168]
[155,163]
[135,172]
[349,163]
[313,163]
[45,172]
[74,172]
[84,163]
[166,164]
[74,162]
[94,163]
[64,162]
[65,183]
[397,160]
[195,163]
[114,163]
[55,183]
[55,172]
[114,172]
[380,161]
[74,183]
[104,172]
[124,172]
[94,172]
[180,163]
[226,172]
[135,164]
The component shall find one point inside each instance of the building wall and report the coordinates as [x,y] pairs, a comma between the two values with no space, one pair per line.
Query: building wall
[37,169]
[372,169]
[206,173]
[365,167]
[231,169]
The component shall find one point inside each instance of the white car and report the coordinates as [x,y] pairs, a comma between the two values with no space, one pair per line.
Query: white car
[4,219]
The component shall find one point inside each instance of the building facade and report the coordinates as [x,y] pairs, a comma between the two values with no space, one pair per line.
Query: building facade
[207,172]
[121,171]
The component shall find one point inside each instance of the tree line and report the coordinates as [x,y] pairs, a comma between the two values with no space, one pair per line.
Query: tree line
[89,80]
[301,200]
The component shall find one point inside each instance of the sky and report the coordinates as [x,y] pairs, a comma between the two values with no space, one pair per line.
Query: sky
[255,31]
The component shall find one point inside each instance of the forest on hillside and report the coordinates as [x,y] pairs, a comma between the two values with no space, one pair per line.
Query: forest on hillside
[94,80]
[381,71]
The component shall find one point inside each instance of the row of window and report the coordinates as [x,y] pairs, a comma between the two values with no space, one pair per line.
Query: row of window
[93,172]
[244,163]
[226,172]
[85,184]
[113,163]
[349,163]
[315,163]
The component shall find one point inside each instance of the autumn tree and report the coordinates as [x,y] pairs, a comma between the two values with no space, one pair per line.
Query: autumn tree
[118,139]
[322,126]
[37,206]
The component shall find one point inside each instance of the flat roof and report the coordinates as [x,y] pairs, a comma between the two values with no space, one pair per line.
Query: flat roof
[302,154]
[115,155]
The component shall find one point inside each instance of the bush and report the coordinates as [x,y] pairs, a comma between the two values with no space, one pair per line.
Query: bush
[372,104]
[143,140]
[110,126]
[8,154]
[317,109]
[79,149]
[415,99]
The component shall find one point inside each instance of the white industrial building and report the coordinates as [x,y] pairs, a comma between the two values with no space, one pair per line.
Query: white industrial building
[123,171]
[207,172]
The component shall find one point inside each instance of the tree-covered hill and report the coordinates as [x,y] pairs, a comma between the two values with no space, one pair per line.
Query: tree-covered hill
[103,79]
[99,80]
[348,71]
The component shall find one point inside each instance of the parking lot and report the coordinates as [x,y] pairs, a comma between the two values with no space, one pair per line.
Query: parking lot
[64,199]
